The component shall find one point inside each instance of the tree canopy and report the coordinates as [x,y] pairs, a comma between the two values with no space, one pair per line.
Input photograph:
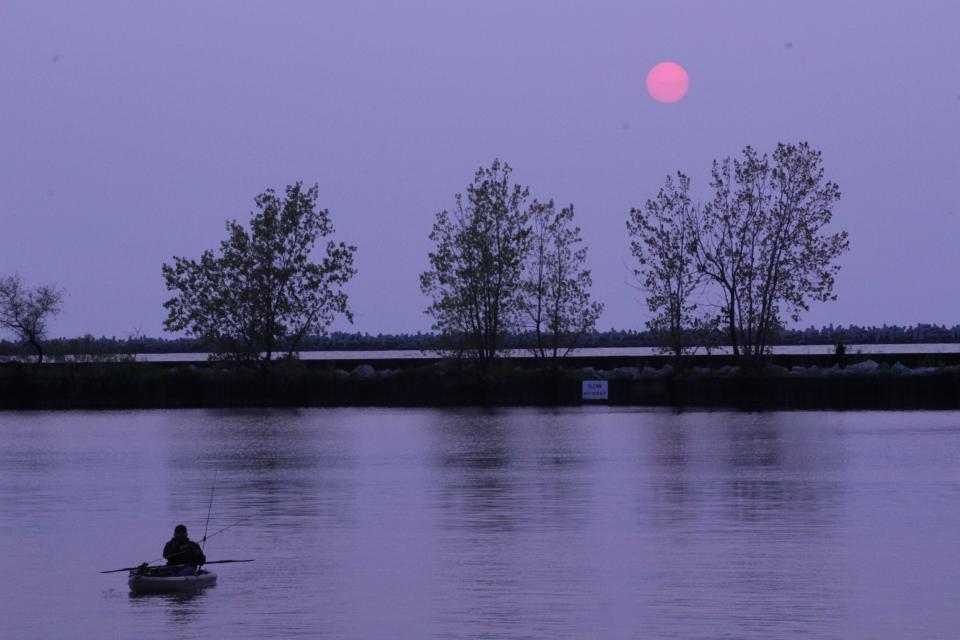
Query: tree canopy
[664,237]
[261,291]
[507,264]
[556,285]
[758,251]
[476,267]
[25,311]
[763,241]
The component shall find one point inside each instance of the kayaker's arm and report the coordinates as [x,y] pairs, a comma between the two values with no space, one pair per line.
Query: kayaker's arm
[170,550]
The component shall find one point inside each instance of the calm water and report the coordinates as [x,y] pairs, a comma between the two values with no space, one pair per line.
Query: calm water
[589,523]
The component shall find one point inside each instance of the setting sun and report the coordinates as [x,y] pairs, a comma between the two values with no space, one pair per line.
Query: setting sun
[668,82]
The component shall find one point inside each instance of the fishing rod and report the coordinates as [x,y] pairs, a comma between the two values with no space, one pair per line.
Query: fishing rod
[217,532]
[147,566]
[240,521]
[209,509]
[206,527]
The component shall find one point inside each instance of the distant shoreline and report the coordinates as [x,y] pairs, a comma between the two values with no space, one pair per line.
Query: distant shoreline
[910,351]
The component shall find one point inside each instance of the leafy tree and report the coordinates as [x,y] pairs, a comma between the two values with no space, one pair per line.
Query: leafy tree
[556,285]
[664,243]
[762,241]
[25,311]
[476,268]
[262,292]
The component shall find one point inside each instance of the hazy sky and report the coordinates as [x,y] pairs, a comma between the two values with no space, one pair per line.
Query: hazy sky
[129,131]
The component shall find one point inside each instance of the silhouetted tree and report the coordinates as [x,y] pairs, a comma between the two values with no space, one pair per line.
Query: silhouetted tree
[262,290]
[762,241]
[25,311]
[556,285]
[474,280]
[664,243]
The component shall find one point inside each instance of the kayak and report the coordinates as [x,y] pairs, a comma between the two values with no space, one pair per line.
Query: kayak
[159,581]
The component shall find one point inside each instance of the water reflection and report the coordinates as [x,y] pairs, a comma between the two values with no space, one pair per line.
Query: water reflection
[672,489]
[778,471]
[282,467]
[509,494]
[558,447]
[750,523]
[476,488]
[508,473]
[576,523]
[182,609]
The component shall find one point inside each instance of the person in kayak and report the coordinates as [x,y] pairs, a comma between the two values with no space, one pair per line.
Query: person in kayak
[181,550]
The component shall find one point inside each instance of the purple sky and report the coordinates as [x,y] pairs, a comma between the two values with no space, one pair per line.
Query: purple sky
[130,131]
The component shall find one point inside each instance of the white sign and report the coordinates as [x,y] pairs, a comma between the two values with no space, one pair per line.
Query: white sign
[595,390]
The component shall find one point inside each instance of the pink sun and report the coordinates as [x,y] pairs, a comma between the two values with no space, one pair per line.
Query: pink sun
[668,82]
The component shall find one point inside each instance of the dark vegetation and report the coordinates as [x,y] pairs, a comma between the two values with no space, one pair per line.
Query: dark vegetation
[141,385]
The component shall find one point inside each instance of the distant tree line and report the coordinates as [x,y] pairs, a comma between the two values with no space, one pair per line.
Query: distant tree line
[359,341]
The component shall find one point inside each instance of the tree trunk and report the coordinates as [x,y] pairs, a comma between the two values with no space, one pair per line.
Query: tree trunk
[732,327]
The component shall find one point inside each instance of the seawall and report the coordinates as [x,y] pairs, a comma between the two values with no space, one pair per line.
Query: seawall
[136,385]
